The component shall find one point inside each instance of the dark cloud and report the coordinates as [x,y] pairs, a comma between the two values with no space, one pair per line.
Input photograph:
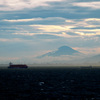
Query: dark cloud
[63,9]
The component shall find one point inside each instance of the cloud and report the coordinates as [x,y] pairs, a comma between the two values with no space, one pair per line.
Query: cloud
[92,19]
[49,36]
[27,34]
[23,20]
[93,5]
[9,5]
[87,34]
[52,28]
[70,28]
[57,26]
[40,25]
[10,40]
[38,20]
[88,50]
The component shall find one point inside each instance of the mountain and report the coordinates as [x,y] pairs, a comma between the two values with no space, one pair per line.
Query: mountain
[90,60]
[63,50]
[95,58]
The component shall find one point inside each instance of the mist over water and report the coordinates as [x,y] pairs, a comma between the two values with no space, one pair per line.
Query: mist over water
[50,83]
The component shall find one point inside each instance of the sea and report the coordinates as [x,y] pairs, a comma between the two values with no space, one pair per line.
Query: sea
[50,83]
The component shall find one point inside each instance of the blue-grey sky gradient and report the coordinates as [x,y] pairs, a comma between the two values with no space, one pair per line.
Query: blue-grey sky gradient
[30,28]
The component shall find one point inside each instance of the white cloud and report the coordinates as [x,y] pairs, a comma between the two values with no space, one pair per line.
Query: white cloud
[52,19]
[66,28]
[92,19]
[87,34]
[53,28]
[93,5]
[23,20]
[10,40]
[12,5]
[27,34]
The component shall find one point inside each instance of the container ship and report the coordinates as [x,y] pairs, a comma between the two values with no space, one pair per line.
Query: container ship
[17,65]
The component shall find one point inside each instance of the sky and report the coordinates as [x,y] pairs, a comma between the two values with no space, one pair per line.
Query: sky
[30,28]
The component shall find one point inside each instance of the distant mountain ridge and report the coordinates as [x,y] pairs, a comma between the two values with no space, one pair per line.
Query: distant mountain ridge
[63,50]
[95,58]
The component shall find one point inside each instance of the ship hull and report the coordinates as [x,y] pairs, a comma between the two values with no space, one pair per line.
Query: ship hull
[18,66]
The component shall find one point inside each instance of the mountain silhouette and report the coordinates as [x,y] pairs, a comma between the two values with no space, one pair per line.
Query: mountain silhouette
[95,58]
[63,50]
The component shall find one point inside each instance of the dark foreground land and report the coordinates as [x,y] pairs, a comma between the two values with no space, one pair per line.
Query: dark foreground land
[50,84]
